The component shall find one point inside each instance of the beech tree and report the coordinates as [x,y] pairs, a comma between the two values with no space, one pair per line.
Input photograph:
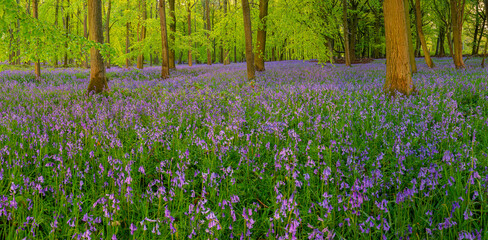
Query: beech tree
[411,54]
[425,49]
[347,54]
[457,15]
[398,72]
[172,28]
[37,62]
[142,33]
[248,33]
[98,80]
[261,38]
[164,41]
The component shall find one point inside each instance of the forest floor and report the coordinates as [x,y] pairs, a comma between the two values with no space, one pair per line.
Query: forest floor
[303,151]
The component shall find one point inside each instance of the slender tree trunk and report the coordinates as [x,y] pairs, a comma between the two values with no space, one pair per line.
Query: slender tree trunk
[188,9]
[140,58]
[107,28]
[486,43]
[172,29]
[425,49]
[235,30]
[127,39]
[411,51]
[207,17]
[226,51]
[164,41]
[347,54]
[261,38]
[480,36]
[248,32]
[377,25]
[37,64]
[442,35]
[66,42]
[476,26]
[330,46]
[449,41]
[98,80]
[56,13]
[353,30]
[398,72]
[457,14]
[85,33]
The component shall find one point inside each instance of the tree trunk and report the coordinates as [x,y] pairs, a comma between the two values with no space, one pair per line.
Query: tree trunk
[411,52]
[476,26]
[248,32]
[164,41]
[457,14]
[486,43]
[56,13]
[107,29]
[98,79]
[235,30]
[37,64]
[377,23]
[188,9]
[480,36]
[398,72]
[353,32]
[66,42]
[172,29]
[261,38]
[140,58]
[127,39]
[330,46]
[442,38]
[207,17]
[347,54]
[226,51]
[425,49]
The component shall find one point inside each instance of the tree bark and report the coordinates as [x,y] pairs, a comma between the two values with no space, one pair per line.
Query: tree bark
[457,14]
[347,54]
[226,51]
[261,38]
[411,51]
[98,80]
[37,64]
[207,16]
[66,42]
[476,26]
[164,41]
[398,72]
[248,33]
[188,9]
[140,58]
[107,28]
[425,49]
[172,29]
[127,39]
[486,43]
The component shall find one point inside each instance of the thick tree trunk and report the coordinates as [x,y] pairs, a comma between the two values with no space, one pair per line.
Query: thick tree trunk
[425,49]
[127,39]
[398,72]
[411,52]
[37,64]
[172,29]
[188,9]
[164,41]
[98,79]
[207,17]
[457,13]
[261,38]
[107,28]
[140,58]
[248,32]
[347,54]
[442,38]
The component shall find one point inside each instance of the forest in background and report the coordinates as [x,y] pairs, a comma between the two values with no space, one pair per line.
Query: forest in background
[210,29]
